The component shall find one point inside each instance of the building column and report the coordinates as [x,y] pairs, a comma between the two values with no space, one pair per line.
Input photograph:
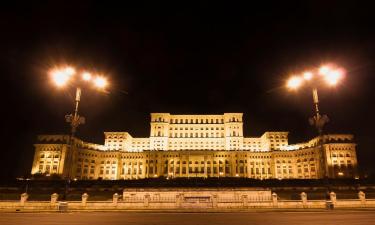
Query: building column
[205,165]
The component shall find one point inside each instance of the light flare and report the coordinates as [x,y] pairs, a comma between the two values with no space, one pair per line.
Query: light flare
[324,70]
[86,76]
[307,75]
[61,76]
[294,82]
[333,77]
[100,82]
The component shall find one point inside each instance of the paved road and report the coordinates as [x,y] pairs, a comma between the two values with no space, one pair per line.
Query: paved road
[133,218]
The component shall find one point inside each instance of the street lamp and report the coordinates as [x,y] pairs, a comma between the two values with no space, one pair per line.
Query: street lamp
[328,74]
[26,181]
[63,76]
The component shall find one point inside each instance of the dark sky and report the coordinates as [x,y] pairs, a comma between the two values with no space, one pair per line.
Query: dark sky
[187,59]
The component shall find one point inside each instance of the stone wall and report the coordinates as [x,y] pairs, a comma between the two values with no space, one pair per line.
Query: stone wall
[186,199]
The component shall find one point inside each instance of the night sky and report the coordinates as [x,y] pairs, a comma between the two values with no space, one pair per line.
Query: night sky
[183,59]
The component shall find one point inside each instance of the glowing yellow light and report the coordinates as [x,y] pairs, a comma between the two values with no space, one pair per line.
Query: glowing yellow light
[340,173]
[307,75]
[100,82]
[324,70]
[86,76]
[294,82]
[62,76]
[333,77]
[69,71]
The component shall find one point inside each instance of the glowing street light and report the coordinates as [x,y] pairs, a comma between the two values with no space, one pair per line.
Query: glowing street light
[333,77]
[307,75]
[328,74]
[86,76]
[61,77]
[324,70]
[294,82]
[100,82]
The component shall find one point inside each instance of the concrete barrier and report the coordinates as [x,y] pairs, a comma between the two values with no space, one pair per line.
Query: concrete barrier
[24,197]
[54,198]
[85,197]
[187,200]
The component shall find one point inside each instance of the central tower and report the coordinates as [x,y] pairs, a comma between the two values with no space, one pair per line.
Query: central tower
[196,132]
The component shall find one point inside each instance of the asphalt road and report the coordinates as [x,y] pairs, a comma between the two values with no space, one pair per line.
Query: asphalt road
[133,218]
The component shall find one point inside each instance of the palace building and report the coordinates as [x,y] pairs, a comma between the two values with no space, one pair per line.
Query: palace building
[196,146]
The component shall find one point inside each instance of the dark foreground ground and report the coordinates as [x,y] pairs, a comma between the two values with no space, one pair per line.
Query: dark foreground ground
[133,218]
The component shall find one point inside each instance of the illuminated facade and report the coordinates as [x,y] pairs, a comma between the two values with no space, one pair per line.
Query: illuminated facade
[196,146]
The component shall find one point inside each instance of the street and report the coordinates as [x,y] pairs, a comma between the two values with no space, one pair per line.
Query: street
[138,218]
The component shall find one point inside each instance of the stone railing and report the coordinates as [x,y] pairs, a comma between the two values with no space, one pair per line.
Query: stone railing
[216,201]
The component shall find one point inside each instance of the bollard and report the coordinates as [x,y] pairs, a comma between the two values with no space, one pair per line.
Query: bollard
[332,197]
[54,198]
[24,197]
[274,200]
[146,201]
[115,198]
[304,199]
[244,200]
[214,201]
[85,196]
[179,198]
[362,198]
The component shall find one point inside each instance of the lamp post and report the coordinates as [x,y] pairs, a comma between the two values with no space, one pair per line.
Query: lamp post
[26,183]
[326,74]
[330,75]
[61,77]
